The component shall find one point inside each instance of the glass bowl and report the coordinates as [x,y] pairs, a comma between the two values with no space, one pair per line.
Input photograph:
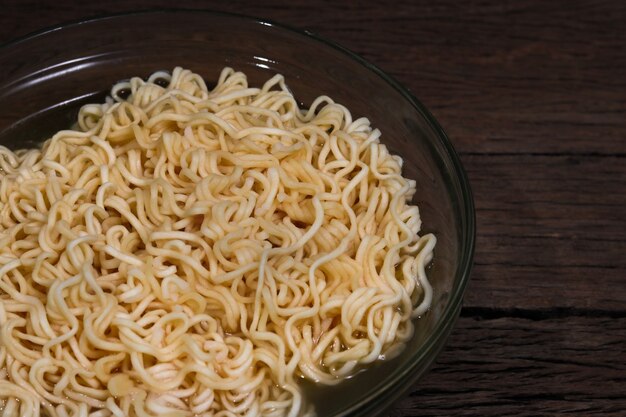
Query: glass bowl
[47,76]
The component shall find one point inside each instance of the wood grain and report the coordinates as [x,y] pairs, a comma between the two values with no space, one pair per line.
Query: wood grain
[533,95]
[511,76]
[551,228]
[522,367]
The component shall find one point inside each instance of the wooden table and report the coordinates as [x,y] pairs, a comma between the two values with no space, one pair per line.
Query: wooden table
[533,95]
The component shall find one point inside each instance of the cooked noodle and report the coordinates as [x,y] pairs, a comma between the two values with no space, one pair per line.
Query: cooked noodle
[192,252]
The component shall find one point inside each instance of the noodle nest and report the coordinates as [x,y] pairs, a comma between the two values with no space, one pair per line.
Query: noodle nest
[186,251]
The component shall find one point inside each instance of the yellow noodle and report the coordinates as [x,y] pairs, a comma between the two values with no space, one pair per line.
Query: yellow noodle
[192,252]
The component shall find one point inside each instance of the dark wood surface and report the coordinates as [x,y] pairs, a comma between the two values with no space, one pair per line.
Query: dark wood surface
[533,95]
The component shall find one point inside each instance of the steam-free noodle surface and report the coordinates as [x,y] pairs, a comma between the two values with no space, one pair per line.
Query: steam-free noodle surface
[193,252]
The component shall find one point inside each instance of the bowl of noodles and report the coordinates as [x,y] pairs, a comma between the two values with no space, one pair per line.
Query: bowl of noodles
[203,214]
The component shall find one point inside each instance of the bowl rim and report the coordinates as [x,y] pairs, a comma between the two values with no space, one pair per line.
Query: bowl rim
[467,245]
